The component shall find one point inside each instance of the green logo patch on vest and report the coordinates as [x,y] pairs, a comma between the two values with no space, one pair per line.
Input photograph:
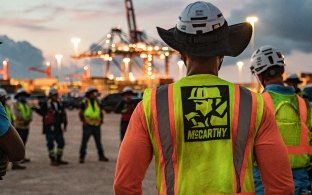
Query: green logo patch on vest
[206,113]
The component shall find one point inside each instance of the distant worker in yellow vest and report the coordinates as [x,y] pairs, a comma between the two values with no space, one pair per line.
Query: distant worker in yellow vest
[204,132]
[292,114]
[23,116]
[6,125]
[91,116]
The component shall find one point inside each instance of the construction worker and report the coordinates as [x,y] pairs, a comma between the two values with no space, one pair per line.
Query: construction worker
[292,114]
[307,93]
[11,146]
[212,150]
[54,121]
[294,80]
[126,107]
[23,116]
[91,117]
[3,98]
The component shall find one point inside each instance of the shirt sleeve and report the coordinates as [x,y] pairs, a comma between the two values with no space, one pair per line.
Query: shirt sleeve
[4,121]
[272,158]
[134,156]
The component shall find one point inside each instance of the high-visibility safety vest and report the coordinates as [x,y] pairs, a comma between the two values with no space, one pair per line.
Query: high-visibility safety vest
[25,110]
[291,114]
[9,113]
[92,114]
[203,150]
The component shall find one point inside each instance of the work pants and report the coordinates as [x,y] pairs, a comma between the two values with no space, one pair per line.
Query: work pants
[23,133]
[87,131]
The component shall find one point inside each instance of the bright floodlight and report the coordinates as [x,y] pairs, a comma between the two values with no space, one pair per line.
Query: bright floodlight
[240,65]
[75,41]
[252,19]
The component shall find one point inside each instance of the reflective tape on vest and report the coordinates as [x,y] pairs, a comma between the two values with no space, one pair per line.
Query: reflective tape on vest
[304,147]
[244,118]
[167,147]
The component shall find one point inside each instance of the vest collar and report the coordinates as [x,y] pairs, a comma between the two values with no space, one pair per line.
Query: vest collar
[285,90]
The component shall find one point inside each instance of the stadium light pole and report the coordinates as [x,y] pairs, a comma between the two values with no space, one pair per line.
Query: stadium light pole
[240,65]
[59,58]
[75,41]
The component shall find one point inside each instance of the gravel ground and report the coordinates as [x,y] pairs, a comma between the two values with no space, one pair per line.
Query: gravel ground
[92,177]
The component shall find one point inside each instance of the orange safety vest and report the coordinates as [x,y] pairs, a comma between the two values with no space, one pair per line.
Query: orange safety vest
[304,146]
[159,113]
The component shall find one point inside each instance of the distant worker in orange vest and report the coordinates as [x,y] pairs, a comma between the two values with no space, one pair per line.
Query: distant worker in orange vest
[292,113]
[54,119]
[204,132]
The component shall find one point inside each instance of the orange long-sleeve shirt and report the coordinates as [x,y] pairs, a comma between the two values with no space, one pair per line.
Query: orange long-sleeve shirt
[136,153]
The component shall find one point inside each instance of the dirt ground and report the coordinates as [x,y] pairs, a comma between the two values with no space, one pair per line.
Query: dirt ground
[92,177]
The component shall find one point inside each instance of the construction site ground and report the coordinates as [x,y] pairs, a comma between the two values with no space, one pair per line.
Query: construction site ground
[91,178]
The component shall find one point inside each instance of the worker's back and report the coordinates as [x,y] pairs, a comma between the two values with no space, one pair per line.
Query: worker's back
[198,143]
[292,116]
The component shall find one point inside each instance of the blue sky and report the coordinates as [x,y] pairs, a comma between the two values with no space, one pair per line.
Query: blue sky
[49,25]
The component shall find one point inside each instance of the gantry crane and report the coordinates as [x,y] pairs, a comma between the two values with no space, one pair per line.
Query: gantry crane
[85,75]
[47,71]
[129,46]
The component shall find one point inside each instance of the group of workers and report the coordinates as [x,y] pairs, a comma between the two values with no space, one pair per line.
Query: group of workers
[210,136]
[54,123]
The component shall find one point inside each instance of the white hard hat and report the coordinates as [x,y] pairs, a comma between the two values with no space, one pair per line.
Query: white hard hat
[264,58]
[200,17]
[202,30]
[21,91]
[127,89]
[52,91]
[90,89]
[3,92]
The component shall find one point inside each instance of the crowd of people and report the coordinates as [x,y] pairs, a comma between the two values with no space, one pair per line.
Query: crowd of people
[207,135]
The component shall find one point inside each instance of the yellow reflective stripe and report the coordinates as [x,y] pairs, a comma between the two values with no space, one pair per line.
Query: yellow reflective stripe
[25,110]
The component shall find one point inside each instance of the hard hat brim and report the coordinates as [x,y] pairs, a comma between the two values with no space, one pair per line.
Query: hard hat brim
[24,93]
[293,80]
[127,93]
[91,91]
[225,41]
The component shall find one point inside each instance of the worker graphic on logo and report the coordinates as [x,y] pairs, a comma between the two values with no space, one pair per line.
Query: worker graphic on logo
[209,108]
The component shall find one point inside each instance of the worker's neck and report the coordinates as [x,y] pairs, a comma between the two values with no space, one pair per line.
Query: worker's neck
[275,81]
[194,68]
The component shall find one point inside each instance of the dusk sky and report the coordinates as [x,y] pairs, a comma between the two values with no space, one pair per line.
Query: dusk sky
[49,26]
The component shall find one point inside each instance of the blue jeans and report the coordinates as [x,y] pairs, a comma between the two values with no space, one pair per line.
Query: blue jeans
[300,177]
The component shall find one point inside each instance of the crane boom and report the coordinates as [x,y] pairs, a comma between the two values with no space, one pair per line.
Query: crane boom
[131,21]
[47,71]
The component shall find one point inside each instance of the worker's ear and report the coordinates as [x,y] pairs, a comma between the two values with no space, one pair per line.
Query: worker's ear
[183,58]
